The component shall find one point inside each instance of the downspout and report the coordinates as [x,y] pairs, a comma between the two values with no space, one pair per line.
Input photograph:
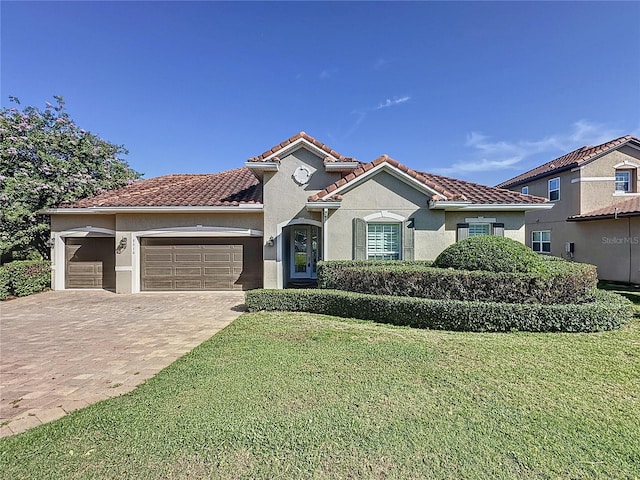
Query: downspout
[630,247]
[325,236]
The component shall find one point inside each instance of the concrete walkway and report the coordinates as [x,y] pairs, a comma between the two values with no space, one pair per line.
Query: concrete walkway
[60,351]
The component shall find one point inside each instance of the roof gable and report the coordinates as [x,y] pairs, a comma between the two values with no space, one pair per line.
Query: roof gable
[298,140]
[569,160]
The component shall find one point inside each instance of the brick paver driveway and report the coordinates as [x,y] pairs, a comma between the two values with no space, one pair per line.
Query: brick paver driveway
[60,351]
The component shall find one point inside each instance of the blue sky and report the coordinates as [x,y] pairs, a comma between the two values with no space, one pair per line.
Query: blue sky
[475,90]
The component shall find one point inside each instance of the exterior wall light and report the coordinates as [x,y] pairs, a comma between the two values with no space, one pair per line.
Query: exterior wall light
[122,245]
[270,241]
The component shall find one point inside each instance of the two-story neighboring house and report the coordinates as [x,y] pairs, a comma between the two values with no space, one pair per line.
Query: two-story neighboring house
[596,217]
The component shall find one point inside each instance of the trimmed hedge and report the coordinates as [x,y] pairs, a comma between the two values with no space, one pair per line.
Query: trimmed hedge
[608,312]
[22,278]
[330,272]
[562,282]
[489,253]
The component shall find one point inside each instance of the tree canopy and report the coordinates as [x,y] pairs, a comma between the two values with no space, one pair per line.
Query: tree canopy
[47,160]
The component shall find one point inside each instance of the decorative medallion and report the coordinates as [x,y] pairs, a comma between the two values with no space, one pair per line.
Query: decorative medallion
[302,175]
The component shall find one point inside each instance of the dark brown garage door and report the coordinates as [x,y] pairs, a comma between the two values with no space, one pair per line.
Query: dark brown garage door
[90,263]
[201,263]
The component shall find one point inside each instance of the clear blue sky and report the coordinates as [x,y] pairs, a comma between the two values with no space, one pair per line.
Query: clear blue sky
[476,90]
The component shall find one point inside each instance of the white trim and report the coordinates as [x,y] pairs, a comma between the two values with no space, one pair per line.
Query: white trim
[200,231]
[480,220]
[279,244]
[244,208]
[627,164]
[124,268]
[340,166]
[483,207]
[384,214]
[592,179]
[293,146]
[59,250]
[625,194]
[263,166]
[319,206]
[325,234]
[396,172]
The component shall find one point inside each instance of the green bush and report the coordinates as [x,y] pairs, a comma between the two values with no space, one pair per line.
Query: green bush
[608,312]
[491,254]
[330,272]
[5,283]
[22,278]
[562,282]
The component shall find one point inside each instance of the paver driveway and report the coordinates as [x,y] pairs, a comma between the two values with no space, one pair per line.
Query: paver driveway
[60,351]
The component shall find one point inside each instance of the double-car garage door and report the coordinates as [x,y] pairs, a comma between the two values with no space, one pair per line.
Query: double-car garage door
[200,264]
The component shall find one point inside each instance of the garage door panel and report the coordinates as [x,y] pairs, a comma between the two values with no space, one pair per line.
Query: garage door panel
[188,272]
[201,263]
[90,262]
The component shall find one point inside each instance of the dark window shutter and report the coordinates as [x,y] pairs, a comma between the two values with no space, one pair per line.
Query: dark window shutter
[407,240]
[498,229]
[463,231]
[359,239]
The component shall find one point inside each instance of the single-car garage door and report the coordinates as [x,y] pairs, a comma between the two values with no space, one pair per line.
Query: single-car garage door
[90,263]
[200,263]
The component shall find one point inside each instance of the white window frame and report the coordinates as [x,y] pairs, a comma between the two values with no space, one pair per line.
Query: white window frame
[525,190]
[541,242]
[628,181]
[549,190]
[383,254]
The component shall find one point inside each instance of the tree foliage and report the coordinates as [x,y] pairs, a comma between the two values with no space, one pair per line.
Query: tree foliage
[47,160]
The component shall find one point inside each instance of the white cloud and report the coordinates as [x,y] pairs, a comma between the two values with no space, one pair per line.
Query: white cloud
[380,63]
[390,103]
[328,73]
[488,155]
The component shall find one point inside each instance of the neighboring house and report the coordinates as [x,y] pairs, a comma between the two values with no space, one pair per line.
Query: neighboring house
[596,218]
[268,223]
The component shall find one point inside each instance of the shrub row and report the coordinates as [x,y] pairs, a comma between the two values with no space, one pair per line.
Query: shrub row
[22,278]
[331,272]
[609,311]
[561,282]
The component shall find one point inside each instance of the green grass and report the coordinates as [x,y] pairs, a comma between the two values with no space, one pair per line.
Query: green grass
[309,396]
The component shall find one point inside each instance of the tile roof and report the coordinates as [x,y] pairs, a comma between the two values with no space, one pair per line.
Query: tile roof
[447,189]
[625,208]
[332,154]
[229,188]
[570,160]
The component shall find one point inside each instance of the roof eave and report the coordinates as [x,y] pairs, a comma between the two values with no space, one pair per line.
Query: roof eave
[320,206]
[243,208]
[486,207]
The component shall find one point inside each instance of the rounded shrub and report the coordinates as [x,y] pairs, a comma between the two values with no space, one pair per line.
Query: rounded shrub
[490,253]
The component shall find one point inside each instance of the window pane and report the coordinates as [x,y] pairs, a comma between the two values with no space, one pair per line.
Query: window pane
[546,236]
[525,190]
[383,241]
[546,247]
[623,181]
[478,229]
[537,236]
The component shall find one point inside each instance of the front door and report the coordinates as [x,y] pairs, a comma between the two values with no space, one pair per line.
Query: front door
[304,251]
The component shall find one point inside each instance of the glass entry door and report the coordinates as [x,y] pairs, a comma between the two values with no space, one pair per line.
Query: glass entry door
[304,251]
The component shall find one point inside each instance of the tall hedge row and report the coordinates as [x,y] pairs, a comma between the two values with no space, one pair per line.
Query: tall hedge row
[608,311]
[22,278]
[559,282]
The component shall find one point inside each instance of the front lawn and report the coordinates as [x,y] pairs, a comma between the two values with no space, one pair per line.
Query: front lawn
[286,395]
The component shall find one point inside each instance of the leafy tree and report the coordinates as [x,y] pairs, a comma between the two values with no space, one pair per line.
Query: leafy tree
[47,160]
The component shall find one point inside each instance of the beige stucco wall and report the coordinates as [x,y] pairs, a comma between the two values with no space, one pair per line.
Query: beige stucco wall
[284,200]
[598,185]
[384,192]
[613,245]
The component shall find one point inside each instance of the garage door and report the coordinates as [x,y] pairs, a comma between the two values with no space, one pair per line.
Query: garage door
[90,263]
[201,264]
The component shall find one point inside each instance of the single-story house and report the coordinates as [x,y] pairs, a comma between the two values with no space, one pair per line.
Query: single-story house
[268,223]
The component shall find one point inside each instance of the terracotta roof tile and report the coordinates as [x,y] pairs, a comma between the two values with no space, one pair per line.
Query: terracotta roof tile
[625,208]
[308,138]
[570,160]
[446,188]
[230,188]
